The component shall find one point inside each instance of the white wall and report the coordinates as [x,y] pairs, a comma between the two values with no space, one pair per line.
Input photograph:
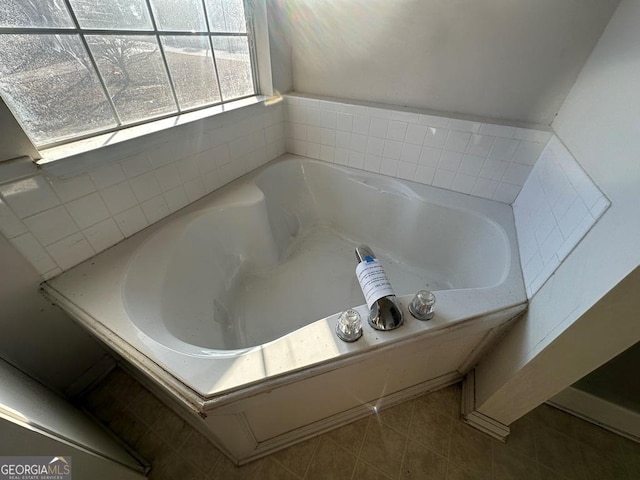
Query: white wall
[34,335]
[599,123]
[511,60]
[279,46]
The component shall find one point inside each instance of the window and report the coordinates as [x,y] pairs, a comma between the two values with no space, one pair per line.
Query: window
[70,69]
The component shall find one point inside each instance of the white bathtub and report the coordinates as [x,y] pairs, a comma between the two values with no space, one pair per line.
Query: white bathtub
[230,304]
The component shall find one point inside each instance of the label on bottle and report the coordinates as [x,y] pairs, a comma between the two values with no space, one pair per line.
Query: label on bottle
[373,281]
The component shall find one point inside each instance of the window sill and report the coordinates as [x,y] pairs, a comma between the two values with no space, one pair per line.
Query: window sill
[73,158]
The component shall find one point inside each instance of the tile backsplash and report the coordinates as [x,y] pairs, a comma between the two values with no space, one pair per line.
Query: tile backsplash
[482,159]
[556,207]
[57,223]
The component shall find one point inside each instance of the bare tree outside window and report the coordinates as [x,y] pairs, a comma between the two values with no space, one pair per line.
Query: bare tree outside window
[107,65]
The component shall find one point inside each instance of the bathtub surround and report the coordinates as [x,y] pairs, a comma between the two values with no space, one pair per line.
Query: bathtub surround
[486,160]
[64,213]
[587,311]
[556,207]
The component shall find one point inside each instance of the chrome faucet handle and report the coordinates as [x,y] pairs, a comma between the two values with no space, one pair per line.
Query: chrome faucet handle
[422,305]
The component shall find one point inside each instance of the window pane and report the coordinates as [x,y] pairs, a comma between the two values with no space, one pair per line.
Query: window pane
[182,15]
[50,85]
[234,66]
[134,73]
[226,16]
[113,14]
[34,13]
[191,68]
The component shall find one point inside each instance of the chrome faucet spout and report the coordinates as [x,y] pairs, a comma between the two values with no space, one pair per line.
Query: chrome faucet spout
[384,312]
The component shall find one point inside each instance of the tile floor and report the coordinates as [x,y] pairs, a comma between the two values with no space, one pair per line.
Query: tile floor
[419,439]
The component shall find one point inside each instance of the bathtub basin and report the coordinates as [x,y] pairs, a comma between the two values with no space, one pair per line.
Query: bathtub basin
[230,305]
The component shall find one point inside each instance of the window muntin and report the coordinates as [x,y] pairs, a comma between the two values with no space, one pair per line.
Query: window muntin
[70,69]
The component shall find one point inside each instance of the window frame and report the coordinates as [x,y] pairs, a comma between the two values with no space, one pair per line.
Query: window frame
[252,10]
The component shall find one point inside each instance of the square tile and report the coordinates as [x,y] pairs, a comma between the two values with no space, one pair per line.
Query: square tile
[70,251]
[464,125]
[396,130]
[87,211]
[457,141]
[378,127]
[168,177]
[328,137]
[392,149]
[361,124]
[327,153]
[356,160]
[463,183]
[375,146]
[73,188]
[10,225]
[313,150]
[410,153]
[136,165]
[29,196]
[450,161]
[471,450]
[424,174]
[146,186]
[359,143]
[420,462]
[443,179]
[155,209]
[107,176]
[430,157]
[314,134]
[383,448]
[195,190]
[389,167]
[415,134]
[504,148]
[471,165]
[103,235]
[131,221]
[435,137]
[51,225]
[344,122]
[343,140]
[119,197]
[177,197]
[480,145]
[188,168]
[406,170]
[431,429]
[341,156]
[331,461]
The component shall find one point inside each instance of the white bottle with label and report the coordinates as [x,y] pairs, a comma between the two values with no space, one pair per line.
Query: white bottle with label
[384,312]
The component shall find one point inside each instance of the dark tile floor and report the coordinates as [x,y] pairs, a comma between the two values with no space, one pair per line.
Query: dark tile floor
[419,439]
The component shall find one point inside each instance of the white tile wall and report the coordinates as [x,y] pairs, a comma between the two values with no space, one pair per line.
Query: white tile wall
[58,223]
[481,159]
[556,207]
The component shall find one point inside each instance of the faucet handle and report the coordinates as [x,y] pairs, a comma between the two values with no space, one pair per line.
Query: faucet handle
[422,305]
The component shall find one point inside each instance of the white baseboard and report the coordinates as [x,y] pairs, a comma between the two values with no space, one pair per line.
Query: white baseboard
[475,419]
[601,412]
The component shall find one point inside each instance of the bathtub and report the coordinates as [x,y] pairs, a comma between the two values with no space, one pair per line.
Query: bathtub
[229,307]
